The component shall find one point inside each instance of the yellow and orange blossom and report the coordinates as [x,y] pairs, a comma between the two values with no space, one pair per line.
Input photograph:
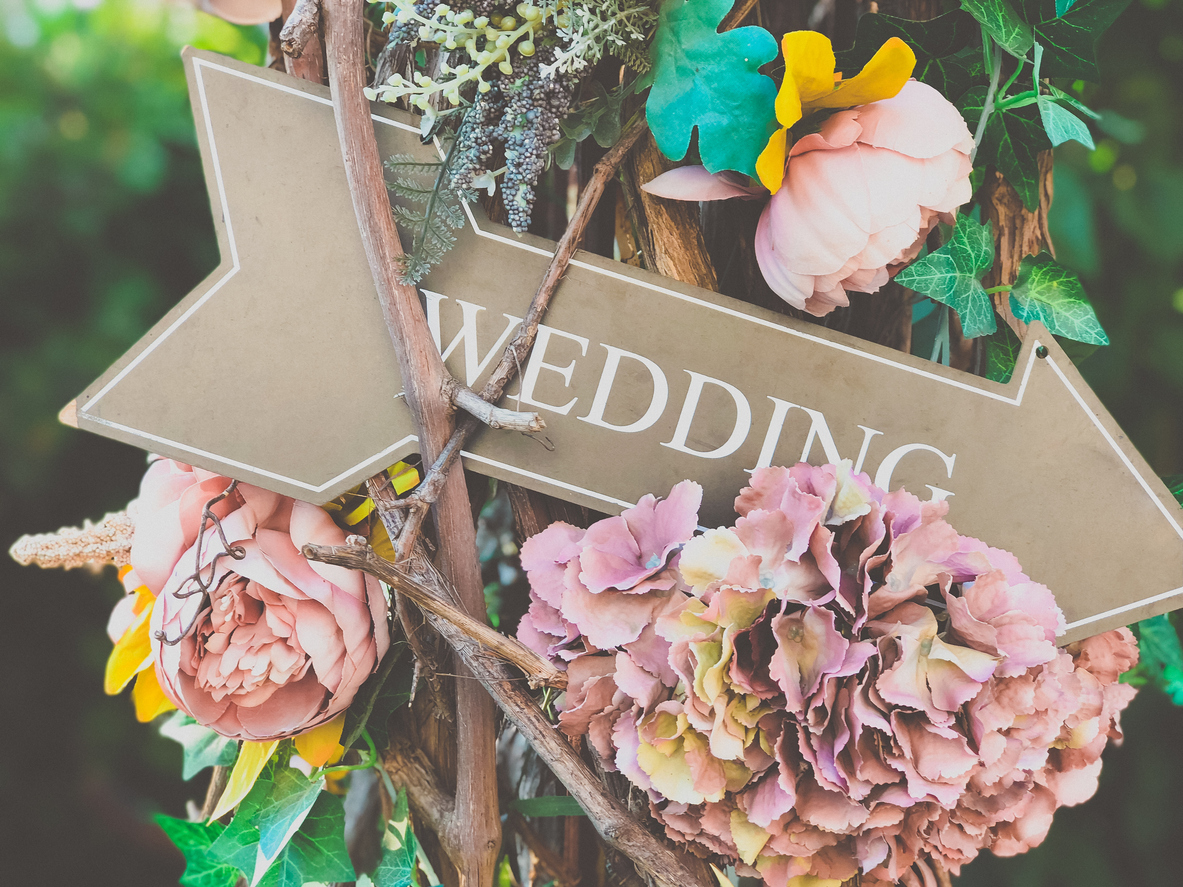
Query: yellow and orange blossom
[811,84]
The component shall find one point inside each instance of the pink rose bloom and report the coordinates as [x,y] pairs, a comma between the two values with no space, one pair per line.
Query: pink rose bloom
[281,644]
[858,200]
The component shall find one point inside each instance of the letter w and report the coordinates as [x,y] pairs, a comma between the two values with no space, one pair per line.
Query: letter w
[473,366]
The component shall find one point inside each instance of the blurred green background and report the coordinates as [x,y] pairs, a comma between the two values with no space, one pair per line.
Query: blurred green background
[104,224]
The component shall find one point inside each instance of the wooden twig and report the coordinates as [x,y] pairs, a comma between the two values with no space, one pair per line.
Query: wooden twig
[302,25]
[409,768]
[217,784]
[549,859]
[738,13]
[519,347]
[477,830]
[619,828]
[466,399]
[538,671]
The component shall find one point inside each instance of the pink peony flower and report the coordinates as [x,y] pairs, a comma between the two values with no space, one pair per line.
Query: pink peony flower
[859,196]
[838,684]
[280,644]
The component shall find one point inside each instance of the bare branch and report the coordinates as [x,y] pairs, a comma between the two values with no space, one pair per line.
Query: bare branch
[495,417]
[428,598]
[301,26]
[665,865]
[516,351]
[550,860]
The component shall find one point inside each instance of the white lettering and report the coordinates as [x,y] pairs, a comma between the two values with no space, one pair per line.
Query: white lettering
[473,367]
[661,391]
[819,430]
[537,363]
[888,466]
[743,419]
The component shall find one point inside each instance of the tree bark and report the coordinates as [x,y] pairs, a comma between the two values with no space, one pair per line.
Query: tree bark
[423,375]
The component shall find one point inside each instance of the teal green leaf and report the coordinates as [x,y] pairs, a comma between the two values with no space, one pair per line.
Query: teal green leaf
[1161,656]
[193,839]
[952,275]
[948,48]
[548,805]
[203,747]
[1002,353]
[1048,292]
[711,81]
[383,693]
[1069,33]
[1002,23]
[1012,142]
[317,852]
[292,796]
[1061,125]
[399,848]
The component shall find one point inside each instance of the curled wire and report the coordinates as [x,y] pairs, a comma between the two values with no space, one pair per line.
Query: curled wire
[203,586]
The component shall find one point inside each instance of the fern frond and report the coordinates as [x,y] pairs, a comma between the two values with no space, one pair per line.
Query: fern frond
[406,163]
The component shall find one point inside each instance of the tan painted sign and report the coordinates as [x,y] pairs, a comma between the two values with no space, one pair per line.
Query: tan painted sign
[278,371]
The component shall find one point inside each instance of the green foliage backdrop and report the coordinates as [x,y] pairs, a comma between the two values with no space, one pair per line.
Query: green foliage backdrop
[104,224]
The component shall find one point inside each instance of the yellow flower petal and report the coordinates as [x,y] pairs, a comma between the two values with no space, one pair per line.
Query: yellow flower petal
[720,877]
[809,74]
[360,513]
[770,165]
[148,697]
[881,78]
[319,745]
[749,839]
[402,476]
[131,655]
[252,757]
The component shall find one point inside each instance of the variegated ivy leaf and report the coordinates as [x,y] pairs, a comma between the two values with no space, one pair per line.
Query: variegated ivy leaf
[1048,292]
[1013,141]
[1069,32]
[1161,656]
[952,276]
[399,848]
[193,839]
[710,81]
[1061,125]
[1002,353]
[1002,23]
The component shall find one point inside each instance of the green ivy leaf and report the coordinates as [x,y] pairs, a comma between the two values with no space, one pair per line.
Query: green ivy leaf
[1012,142]
[193,839]
[203,747]
[1061,125]
[399,848]
[711,81]
[948,48]
[1002,353]
[1048,292]
[317,852]
[1069,33]
[1161,656]
[1174,483]
[1002,23]
[952,275]
[282,813]
[548,805]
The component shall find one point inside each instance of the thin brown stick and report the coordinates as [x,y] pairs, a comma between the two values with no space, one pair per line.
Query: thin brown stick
[539,671]
[301,26]
[666,866]
[495,417]
[548,858]
[217,785]
[516,351]
[738,13]
[409,768]
[478,829]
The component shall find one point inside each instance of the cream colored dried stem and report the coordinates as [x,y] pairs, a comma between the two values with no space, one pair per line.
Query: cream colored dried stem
[432,597]
[91,545]
[519,347]
[495,417]
[477,830]
[666,866]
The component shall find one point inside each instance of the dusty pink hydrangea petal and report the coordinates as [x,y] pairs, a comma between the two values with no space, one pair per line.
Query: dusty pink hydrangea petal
[1018,622]
[619,552]
[695,183]
[808,646]
[1107,655]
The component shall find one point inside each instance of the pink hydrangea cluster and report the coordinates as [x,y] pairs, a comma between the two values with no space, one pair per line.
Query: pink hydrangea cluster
[838,683]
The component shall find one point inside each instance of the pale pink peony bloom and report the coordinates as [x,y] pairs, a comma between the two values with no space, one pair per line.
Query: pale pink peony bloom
[840,683]
[859,197]
[281,644]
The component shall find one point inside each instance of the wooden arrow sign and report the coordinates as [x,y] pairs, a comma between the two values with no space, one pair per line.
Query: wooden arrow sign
[278,371]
